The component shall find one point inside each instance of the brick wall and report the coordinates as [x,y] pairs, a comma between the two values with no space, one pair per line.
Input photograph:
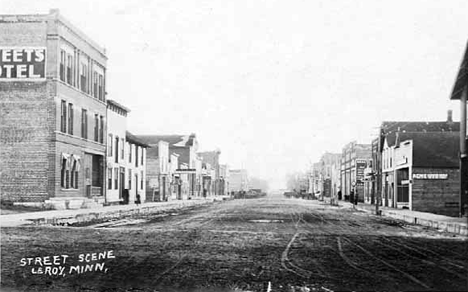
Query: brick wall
[431,195]
[31,143]
[25,125]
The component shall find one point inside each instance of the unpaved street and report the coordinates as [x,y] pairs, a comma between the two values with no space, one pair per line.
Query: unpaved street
[284,244]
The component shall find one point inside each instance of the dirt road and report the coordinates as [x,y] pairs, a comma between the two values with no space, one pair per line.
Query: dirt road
[242,245]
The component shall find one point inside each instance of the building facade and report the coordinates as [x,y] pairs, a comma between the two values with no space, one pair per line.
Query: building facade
[135,185]
[158,173]
[354,159]
[185,174]
[53,112]
[426,174]
[116,161]
[382,155]
[238,180]
[212,158]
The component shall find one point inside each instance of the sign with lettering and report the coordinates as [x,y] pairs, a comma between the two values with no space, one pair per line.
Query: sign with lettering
[22,63]
[430,175]
[360,167]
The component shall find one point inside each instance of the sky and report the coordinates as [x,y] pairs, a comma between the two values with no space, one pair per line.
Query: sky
[273,84]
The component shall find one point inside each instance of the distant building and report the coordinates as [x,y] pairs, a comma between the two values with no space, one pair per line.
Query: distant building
[330,174]
[238,180]
[212,157]
[53,112]
[186,147]
[158,173]
[354,159]
[224,179]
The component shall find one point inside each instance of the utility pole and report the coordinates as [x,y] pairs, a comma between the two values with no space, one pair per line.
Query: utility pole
[463,156]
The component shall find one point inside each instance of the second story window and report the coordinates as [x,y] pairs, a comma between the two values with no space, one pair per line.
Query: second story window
[122,155]
[136,155]
[84,77]
[84,124]
[95,84]
[116,149]
[70,119]
[62,65]
[101,87]
[96,128]
[101,129]
[70,69]
[63,117]
[109,145]
[142,155]
[129,152]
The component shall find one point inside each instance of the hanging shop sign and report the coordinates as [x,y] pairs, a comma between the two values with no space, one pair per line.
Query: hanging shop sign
[22,63]
[430,175]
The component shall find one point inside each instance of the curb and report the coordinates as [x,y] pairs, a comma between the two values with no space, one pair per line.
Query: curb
[98,214]
[457,228]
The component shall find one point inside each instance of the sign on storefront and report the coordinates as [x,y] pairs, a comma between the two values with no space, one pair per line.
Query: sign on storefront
[430,175]
[22,63]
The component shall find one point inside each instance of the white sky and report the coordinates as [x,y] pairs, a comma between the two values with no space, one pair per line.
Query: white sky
[273,84]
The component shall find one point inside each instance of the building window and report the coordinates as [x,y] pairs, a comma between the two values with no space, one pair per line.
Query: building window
[84,124]
[101,87]
[142,155]
[129,179]
[116,149]
[129,152]
[141,187]
[101,129]
[95,85]
[62,65]
[84,77]
[70,119]
[96,128]
[116,178]
[122,155]
[69,69]
[63,117]
[74,174]
[136,155]
[63,175]
[109,178]
[109,145]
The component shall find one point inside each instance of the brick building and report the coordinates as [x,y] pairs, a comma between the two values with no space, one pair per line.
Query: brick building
[52,112]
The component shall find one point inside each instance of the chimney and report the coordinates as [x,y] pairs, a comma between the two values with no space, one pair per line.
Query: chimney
[449,116]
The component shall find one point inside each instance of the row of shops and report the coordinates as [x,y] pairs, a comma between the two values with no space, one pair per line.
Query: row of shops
[63,143]
[411,165]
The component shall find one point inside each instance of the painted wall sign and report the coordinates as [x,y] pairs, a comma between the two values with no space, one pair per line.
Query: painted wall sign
[430,175]
[22,63]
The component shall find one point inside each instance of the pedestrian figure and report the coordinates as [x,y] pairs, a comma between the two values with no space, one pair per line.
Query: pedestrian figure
[351,197]
[356,196]
[138,200]
[339,195]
